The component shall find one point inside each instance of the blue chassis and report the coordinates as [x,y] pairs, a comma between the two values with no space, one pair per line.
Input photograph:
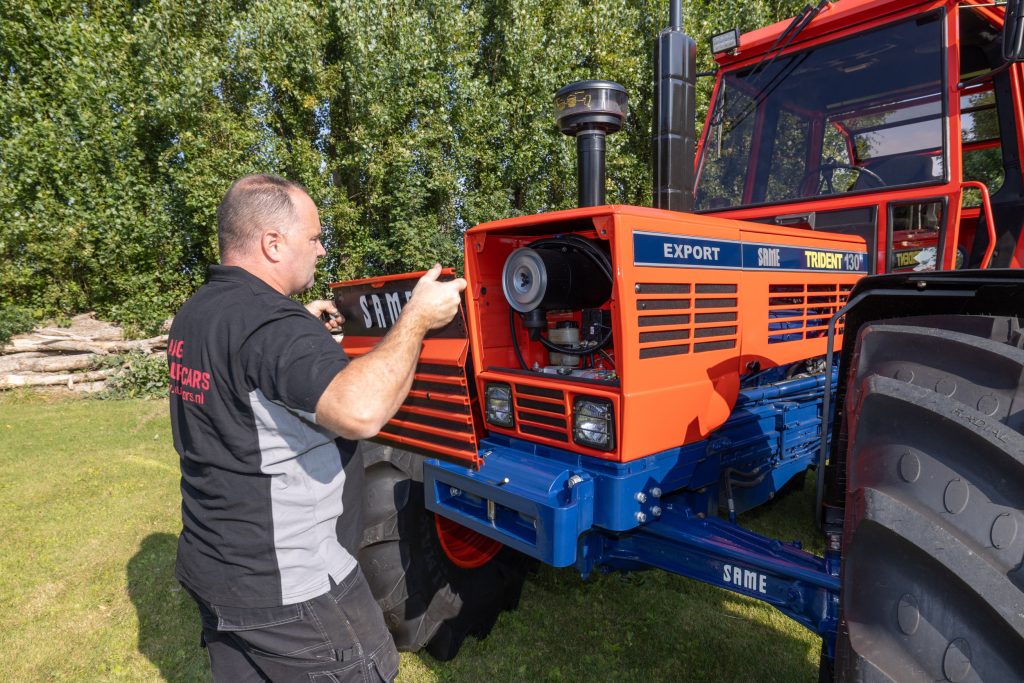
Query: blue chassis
[571,510]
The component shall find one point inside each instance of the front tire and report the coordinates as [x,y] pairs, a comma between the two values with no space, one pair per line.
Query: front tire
[934,517]
[428,600]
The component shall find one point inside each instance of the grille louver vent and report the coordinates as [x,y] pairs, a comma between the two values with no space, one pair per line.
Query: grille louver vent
[541,411]
[437,415]
[704,320]
[799,312]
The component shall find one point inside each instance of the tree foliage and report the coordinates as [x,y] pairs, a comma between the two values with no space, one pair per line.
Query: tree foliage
[122,122]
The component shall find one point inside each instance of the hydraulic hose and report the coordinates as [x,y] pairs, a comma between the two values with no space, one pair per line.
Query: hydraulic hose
[752,478]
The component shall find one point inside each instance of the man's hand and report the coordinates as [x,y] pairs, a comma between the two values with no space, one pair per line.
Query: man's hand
[325,310]
[434,303]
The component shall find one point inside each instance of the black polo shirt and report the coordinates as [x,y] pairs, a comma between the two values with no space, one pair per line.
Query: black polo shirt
[266,492]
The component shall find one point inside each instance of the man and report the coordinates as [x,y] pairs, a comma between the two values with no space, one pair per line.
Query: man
[266,410]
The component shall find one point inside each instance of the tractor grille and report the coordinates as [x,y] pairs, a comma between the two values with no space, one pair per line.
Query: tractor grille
[799,312]
[541,411]
[680,318]
[437,415]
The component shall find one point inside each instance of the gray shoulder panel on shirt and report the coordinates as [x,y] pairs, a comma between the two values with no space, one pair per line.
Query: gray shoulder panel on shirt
[307,480]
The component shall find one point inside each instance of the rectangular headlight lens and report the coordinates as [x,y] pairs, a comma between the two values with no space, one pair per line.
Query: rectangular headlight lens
[498,404]
[593,423]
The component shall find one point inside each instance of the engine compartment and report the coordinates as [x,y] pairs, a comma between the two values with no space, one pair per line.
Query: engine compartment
[638,324]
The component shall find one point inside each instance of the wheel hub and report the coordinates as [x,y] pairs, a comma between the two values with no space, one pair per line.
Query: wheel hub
[464,547]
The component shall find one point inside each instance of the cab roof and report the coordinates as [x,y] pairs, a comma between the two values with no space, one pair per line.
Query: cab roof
[838,16]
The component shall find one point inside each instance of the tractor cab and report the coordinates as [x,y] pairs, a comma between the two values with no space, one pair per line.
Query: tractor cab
[895,124]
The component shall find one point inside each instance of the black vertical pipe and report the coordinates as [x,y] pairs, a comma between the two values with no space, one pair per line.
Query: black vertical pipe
[675,14]
[590,110]
[673,133]
[590,167]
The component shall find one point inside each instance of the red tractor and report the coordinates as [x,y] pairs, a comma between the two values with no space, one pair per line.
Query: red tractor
[625,380]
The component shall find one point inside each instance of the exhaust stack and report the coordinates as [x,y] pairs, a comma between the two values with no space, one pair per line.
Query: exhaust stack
[589,110]
[673,128]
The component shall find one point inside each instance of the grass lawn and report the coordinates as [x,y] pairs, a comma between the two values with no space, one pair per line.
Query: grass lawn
[89,516]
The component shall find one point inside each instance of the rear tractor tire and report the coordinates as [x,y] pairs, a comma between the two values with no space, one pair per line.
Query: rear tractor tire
[436,582]
[933,585]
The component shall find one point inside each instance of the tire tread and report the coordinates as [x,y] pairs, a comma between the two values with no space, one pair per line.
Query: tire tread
[427,601]
[935,474]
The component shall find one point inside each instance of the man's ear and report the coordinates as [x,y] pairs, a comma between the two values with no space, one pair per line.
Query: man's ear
[270,244]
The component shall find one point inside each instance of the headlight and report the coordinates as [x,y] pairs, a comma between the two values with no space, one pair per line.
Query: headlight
[499,404]
[593,423]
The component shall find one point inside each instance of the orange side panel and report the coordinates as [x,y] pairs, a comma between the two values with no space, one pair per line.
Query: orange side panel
[685,328]
[705,325]
[440,416]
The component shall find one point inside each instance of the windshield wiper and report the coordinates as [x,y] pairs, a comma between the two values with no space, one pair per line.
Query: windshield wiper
[795,27]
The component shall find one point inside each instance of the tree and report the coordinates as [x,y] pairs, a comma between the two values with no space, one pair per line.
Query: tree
[122,124]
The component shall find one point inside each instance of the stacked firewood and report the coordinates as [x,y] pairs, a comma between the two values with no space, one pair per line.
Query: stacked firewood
[77,357]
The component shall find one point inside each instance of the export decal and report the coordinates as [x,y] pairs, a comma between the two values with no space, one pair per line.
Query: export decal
[659,249]
[683,251]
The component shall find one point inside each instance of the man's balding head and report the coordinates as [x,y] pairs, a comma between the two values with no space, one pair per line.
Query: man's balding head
[252,205]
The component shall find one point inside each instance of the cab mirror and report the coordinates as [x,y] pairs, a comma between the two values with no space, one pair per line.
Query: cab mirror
[1013,31]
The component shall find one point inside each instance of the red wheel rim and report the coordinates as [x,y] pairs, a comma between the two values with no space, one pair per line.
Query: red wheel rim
[464,547]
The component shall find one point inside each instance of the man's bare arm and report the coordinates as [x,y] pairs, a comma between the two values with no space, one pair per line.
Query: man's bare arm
[366,394]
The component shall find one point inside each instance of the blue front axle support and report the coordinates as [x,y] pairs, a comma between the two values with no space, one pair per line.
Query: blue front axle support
[659,511]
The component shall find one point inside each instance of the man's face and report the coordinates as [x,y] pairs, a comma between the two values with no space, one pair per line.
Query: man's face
[301,244]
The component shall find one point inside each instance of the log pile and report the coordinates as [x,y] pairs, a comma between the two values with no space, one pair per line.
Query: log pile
[75,357]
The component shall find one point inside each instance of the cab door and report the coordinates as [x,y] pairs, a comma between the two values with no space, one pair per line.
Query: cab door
[985,128]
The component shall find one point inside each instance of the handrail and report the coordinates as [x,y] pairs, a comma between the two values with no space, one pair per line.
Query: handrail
[986,204]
